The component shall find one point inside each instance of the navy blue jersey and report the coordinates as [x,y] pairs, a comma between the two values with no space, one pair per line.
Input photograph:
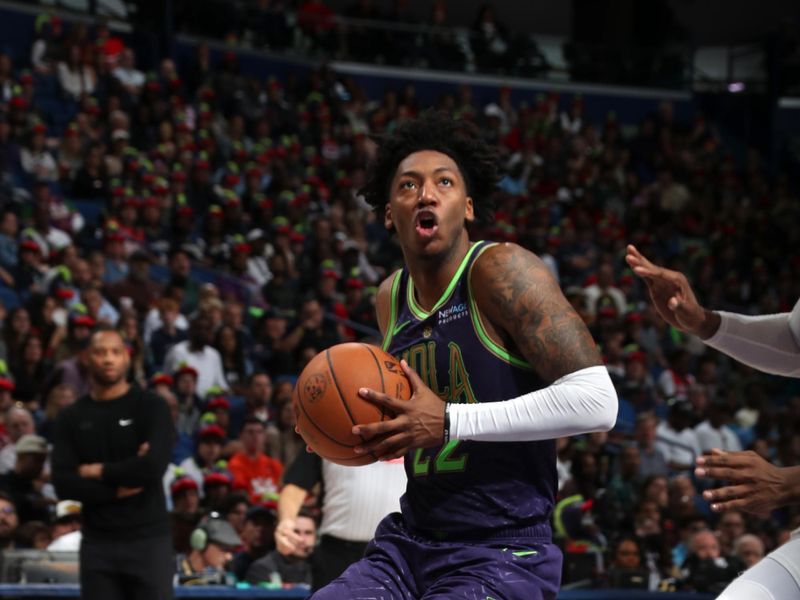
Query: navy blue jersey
[468,489]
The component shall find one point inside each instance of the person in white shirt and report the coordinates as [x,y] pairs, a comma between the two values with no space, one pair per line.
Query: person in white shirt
[770,343]
[714,432]
[131,78]
[75,77]
[19,422]
[66,527]
[605,287]
[196,353]
[676,439]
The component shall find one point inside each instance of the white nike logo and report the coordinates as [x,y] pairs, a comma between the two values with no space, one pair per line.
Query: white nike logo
[125,422]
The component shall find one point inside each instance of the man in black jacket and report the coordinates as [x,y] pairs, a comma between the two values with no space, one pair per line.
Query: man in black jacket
[111,449]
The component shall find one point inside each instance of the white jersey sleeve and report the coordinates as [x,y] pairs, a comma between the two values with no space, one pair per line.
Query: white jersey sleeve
[770,343]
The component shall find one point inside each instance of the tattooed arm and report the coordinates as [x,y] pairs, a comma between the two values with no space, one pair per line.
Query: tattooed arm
[515,291]
[527,312]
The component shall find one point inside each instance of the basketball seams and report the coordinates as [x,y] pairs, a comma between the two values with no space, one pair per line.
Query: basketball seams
[380,372]
[318,428]
[338,389]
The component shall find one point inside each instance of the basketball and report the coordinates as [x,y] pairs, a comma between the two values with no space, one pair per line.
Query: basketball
[327,403]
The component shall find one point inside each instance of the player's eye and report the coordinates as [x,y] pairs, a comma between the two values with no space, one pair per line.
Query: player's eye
[446,181]
[407,185]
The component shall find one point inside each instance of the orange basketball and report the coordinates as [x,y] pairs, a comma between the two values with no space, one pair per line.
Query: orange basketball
[327,403]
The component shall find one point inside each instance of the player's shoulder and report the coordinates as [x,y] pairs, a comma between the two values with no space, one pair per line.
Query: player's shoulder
[385,287]
[383,300]
[500,259]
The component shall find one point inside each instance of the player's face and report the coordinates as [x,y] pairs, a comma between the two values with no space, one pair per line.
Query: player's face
[108,358]
[428,203]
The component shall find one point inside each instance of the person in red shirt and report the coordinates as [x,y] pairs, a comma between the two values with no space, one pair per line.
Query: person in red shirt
[252,469]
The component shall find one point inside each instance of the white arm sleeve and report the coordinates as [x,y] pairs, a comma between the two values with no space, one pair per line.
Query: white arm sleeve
[770,343]
[580,402]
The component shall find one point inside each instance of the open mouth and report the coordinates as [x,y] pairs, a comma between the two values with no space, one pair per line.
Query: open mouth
[426,223]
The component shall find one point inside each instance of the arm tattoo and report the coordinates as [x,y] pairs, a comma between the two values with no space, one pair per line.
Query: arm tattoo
[527,303]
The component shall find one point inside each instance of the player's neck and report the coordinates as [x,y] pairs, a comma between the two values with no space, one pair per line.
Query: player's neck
[432,275]
[109,392]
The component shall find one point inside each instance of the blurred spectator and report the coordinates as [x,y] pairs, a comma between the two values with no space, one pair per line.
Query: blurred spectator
[212,547]
[208,450]
[58,398]
[47,47]
[258,396]
[97,307]
[23,482]
[252,469]
[676,439]
[675,381]
[9,229]
[294,567]
[283,441]
[75,76]
[217,486]
[179,270]
[66,530]
[490,41]
[715,432]
[235,511]
[33,535]
[627,567]
[198,354]
[749,549]
[30,369]
[604,287]
[37,162]
[9,521]
[130,78]
[236,366]
[72,371]
[258,539]
[706,569]
[168,334]
[170,302]
[90,181]
[18,422]
[730,528]
[651,459]
[137,284]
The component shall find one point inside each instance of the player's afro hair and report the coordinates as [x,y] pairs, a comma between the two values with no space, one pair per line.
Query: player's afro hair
[433,130]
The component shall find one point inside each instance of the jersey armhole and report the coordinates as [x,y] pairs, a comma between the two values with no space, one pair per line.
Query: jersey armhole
[387,338]
[488,343]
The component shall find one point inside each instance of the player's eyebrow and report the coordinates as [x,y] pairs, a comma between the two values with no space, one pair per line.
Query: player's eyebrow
[413,173]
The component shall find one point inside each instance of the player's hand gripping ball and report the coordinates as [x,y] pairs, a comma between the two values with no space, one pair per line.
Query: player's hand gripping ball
[327,404]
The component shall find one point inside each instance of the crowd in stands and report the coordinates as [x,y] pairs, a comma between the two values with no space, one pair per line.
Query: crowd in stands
[365,31]
[221,231]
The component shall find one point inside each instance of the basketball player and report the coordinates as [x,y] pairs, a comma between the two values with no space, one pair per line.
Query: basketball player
[770,343]
[500,365]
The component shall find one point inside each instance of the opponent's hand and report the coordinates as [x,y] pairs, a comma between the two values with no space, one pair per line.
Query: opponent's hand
[756,486]
[672,296]
[418,421]
[287,542]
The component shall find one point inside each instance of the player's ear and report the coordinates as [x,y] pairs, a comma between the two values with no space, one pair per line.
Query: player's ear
[469,213]
[387,217]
